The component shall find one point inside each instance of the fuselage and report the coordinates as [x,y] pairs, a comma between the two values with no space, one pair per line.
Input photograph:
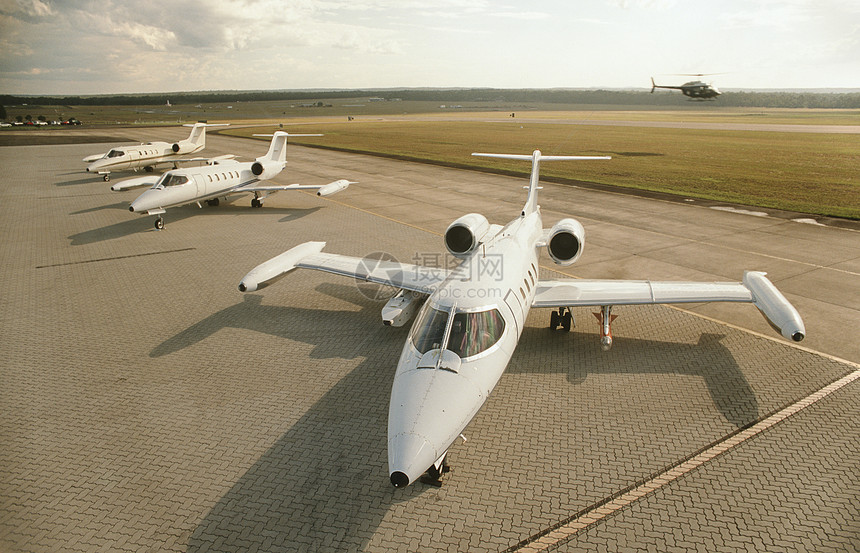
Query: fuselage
[473,321]
[182,186]
[135,157]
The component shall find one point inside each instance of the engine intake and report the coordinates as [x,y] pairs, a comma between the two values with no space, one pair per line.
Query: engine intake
[265,169]
[464,234]
[182,147]
[565,241]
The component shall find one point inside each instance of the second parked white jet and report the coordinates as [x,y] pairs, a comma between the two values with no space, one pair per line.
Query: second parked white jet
[222,177]
[147,156]
[473,316]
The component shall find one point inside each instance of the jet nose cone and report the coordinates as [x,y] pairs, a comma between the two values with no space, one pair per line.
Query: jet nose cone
[399,480]
[409,456]
[131,208]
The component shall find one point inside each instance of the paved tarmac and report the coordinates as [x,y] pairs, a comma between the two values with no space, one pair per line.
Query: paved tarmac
[147,405]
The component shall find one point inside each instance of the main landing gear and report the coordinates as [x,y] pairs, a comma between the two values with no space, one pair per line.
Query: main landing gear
[562,318]
[213,202]
[256,202]
[605,318]
[159,223]
[106,177]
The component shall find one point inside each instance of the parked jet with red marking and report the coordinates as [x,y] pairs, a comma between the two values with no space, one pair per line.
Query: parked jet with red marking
[221,178]
[472,316]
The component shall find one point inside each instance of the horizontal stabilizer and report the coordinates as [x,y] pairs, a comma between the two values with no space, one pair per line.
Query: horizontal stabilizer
[287,134]
[270,271]
[542,157]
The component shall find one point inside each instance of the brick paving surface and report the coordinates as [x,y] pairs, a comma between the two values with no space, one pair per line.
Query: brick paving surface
[147,405]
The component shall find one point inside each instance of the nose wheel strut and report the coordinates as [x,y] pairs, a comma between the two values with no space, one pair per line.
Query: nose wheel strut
[433,476]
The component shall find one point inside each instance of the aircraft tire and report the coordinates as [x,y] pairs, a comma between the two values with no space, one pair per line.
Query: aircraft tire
[159,223]
[554,320]
[566,320]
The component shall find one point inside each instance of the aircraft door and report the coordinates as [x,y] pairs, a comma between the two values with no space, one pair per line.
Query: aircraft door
[133,157]
[200,185]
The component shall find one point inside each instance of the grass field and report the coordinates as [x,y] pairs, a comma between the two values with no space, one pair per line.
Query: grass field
[804,172]
[343,107]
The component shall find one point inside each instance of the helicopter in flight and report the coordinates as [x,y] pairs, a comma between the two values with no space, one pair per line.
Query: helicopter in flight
[697,90]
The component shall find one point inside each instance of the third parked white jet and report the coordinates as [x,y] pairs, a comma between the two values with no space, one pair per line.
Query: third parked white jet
[222,177]
[473,316]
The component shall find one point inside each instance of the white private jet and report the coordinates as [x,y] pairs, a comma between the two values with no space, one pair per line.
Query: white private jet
[467,330]
[220,178]
[148,155]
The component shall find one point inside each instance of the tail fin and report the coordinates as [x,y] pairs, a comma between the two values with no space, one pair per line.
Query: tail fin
[198,132]
[536,157]
[278,147]
[653,85]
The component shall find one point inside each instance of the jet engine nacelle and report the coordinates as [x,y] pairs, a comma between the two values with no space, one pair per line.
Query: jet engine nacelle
[463,235]
[266,169]
[183,147]
[565,241]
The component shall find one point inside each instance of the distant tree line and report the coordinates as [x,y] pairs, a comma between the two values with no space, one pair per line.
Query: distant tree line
[769,99]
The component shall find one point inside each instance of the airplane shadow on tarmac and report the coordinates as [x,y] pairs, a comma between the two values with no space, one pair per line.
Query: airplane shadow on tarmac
[708,359]
[123,206]
[137,223]
[323,486]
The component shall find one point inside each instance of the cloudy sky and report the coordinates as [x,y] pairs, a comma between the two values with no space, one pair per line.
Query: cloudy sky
[119,46]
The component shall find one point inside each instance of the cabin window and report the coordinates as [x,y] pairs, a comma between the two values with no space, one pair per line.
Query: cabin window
[210,177]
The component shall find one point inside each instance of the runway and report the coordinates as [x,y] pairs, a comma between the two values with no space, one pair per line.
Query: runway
[149,405]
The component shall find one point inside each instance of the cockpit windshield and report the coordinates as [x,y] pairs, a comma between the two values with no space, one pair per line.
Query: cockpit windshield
[171,179]
[115,153]
[471,332]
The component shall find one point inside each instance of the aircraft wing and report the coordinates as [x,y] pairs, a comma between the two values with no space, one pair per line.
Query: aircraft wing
[309,255]
[322,189]
[755,289]
[574,293]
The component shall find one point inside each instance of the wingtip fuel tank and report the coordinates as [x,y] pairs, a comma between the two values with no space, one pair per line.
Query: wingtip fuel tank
[774,306]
